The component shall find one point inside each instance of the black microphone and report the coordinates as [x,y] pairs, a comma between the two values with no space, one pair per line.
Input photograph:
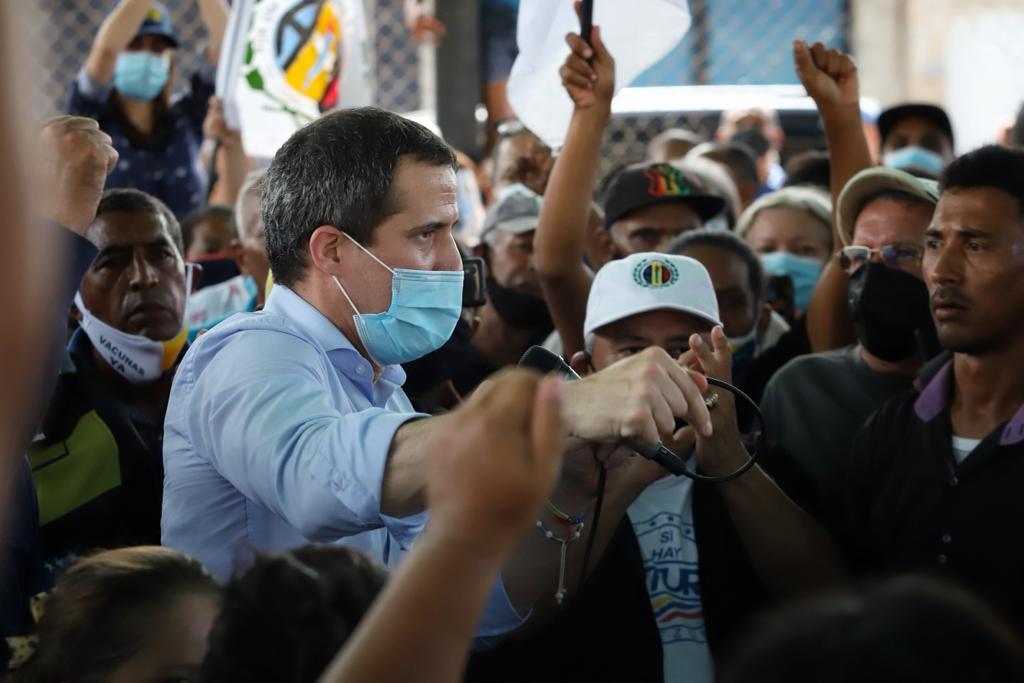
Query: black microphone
[539,358]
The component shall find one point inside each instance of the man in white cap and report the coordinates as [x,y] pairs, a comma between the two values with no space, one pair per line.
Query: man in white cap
[693,561]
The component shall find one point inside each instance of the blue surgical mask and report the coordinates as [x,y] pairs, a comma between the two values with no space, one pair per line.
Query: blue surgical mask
[141,75]
[914,157]
[425,306]
[802,270]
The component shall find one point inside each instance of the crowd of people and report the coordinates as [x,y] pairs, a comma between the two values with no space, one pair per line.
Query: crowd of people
[267,424]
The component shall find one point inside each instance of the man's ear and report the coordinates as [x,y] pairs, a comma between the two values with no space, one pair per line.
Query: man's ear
[327,247]
[764,320]
[581,364]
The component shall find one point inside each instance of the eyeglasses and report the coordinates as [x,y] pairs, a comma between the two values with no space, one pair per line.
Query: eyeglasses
[892,255]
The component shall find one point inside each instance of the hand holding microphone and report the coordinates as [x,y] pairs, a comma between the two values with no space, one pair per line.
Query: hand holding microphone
[627,402]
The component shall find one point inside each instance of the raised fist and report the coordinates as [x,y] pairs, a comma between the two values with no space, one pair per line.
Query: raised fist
[828,75]
[76,157]
[488,475]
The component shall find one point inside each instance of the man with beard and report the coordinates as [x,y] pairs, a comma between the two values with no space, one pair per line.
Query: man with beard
[933,481]
[96,463]
[817,403]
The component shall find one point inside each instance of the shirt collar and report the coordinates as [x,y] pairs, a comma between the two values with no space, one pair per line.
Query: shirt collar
[936,388]
[343,355]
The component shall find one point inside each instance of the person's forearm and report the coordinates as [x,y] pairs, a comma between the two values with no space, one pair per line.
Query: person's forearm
[232,167]
[788,549]
[828,320]
[402,492]
[421,626]
[828,314]
[531,575]
[116,32]
[563,225]
[215,18]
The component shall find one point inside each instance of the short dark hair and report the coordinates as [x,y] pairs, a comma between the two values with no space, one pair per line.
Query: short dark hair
[726,241]
[992,166]
[907,630]
[130,200]
[103,607]
[286,617]
[812,167]
[738,157]
[338,171]
[199,214]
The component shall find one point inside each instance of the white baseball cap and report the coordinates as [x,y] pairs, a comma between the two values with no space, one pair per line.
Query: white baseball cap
[650,282]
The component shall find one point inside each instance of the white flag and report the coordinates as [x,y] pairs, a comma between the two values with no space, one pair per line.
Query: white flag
[638,33]
[287,62]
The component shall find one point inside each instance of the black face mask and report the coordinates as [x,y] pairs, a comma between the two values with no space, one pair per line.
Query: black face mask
[520,310]
[891,313]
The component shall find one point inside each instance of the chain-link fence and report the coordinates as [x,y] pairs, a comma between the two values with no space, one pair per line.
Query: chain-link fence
[69,26]
[730,42]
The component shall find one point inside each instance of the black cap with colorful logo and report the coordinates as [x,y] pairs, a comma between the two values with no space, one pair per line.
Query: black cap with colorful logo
[642,185]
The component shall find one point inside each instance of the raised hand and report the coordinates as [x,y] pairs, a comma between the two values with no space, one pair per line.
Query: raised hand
[723,452]
[215,126]
[828,75]
[76,157]
[488,476]
[589,83]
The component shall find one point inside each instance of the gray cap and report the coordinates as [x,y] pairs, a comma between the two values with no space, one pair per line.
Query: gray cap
[872,181]
[516,211]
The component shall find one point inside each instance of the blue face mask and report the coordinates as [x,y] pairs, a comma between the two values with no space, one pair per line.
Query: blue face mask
[802,270]
[425,306]
[141,75]
[913,157]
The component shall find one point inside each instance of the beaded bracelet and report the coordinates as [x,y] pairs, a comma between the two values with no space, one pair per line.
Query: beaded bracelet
[567,518]
[575,532]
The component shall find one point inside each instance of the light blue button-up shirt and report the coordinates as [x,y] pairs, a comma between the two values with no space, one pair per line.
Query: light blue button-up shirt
[276,435]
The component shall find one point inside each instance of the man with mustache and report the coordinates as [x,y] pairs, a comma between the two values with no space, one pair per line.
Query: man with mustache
[933,481]
[96,462]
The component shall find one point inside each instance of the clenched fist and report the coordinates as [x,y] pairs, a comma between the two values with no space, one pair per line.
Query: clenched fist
[488,475]
[828,75]
[76,157]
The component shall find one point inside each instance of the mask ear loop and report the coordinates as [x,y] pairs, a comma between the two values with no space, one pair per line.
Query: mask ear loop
[360,325]
[367,252]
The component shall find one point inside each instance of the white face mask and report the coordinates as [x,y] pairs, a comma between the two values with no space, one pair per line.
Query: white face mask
[138,359]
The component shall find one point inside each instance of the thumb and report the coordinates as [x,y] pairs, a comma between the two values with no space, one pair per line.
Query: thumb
[601,54]
[547,429]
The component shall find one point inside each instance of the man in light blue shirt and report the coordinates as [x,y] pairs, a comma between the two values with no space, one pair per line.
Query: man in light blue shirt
[289,425]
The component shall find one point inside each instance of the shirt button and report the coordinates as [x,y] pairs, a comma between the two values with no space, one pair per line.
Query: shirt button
[954,480]
[360,370]
[946,538]
[943,559]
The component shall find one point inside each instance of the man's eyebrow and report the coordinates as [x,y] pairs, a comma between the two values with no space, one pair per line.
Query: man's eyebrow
[432,225]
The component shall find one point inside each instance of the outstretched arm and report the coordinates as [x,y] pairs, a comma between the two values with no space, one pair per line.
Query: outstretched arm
[421,626]
[565,216]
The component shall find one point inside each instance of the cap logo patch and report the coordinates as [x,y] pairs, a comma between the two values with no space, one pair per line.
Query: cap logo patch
[655,273]
[665,180]
[154,14]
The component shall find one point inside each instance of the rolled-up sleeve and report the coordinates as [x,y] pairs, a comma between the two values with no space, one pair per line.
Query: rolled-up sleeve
[266,422]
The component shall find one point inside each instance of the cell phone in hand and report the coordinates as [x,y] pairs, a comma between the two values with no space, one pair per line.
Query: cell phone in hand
[473,292]
[780,296]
